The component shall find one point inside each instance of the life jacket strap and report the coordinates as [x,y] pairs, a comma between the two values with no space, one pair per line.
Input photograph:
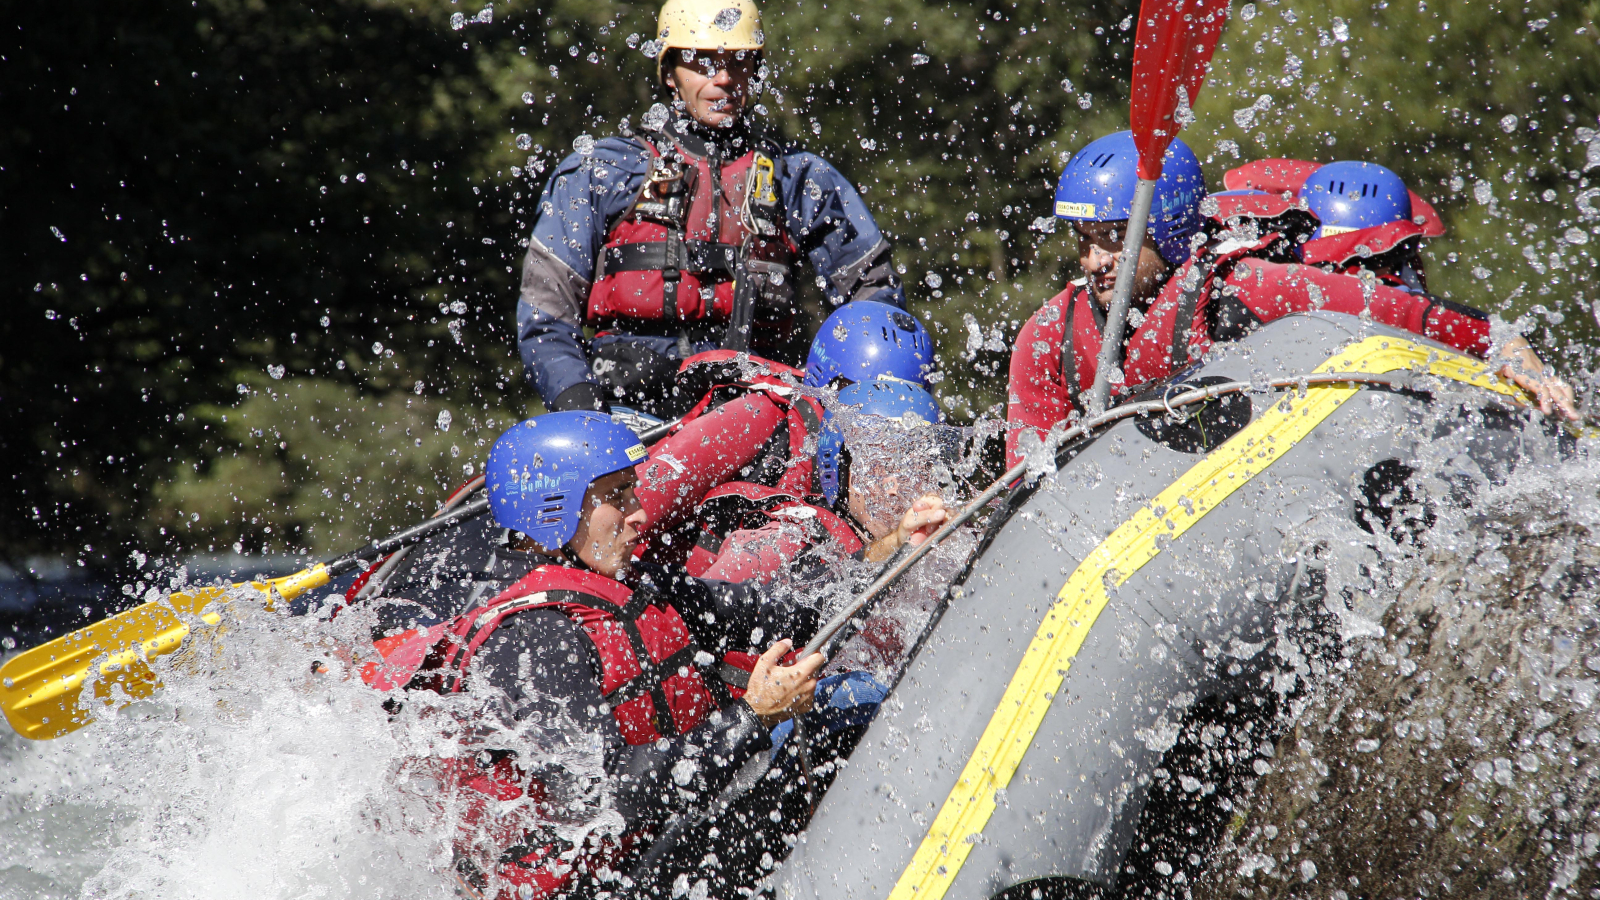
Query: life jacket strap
[699,257]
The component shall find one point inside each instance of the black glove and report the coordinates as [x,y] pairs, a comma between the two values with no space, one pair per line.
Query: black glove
[644,378]
[582,396]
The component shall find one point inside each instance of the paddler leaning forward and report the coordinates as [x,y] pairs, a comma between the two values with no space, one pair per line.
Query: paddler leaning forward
[630,653]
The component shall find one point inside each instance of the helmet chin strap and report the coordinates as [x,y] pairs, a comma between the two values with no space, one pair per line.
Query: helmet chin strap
[564,556]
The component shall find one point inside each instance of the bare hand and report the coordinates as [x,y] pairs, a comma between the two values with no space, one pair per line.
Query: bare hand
[917,525]
[1525,369]
[779,693]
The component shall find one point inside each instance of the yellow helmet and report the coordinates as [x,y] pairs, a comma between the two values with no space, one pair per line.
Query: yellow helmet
[706,25]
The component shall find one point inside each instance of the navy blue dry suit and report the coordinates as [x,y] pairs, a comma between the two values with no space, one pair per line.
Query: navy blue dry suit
[640,237]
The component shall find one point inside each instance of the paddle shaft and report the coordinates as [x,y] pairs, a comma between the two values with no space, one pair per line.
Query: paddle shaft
[385,571]
[1121,297]
[657,432]
[421,531]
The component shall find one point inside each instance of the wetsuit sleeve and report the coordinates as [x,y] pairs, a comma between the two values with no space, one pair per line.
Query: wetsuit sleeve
[738,618]
[584,196]
[708,452]
[834,229]
[1269,291]
[1037,396]
[547,674]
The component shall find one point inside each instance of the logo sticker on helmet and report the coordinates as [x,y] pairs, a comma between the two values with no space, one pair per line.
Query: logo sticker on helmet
[637,452]
[1076,210]
[540,483]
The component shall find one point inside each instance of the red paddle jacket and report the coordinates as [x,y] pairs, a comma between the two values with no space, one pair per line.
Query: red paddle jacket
[752,424]
[1221,294]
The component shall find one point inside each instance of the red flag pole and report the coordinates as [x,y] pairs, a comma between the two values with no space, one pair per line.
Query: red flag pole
[1171,53]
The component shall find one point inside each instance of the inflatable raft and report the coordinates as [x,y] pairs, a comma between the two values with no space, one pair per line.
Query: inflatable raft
[1107,669]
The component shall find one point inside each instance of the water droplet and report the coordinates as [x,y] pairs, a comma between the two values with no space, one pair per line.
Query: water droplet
[444,420]
[377,347]
[525,141]
[276,372]
[727,18]
[919,59]
[457,21]
[584,144]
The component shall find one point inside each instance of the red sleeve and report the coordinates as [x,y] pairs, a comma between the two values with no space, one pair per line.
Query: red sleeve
[757,554]
[1274,290]
[1037,397]
[705,453]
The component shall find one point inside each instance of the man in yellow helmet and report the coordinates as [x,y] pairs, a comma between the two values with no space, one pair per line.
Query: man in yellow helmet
[683,238]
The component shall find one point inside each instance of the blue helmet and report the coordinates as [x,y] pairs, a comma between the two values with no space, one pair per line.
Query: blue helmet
[891,399]
[539,470]
[866,339]
[1350,195]
[1098,184]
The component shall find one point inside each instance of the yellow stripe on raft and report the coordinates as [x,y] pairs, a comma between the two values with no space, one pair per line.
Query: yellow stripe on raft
[1044,665]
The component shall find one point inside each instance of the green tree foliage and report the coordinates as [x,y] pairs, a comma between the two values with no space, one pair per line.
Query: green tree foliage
[198,194]
[1489,110]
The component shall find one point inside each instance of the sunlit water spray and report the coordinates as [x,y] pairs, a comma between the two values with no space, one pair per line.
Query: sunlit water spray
[1450,746]
[248,776]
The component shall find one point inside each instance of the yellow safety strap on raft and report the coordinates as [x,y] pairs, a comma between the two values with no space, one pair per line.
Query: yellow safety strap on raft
[40,689]
[938,859]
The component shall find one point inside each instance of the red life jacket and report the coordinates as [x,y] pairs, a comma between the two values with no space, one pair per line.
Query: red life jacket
[1174,331]
[1225,290]
[742,506]
[1080,356]
[648,671]
[673,256]
[650,678]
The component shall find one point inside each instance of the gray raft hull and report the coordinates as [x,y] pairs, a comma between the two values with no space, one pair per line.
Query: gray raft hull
[1208,618]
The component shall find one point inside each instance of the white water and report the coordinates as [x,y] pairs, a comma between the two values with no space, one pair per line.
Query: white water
[253,779]
[249,776]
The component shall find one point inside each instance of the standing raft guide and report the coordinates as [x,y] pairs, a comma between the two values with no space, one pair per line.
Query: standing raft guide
[705,571]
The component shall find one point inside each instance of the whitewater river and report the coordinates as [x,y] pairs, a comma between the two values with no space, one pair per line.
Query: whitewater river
[1451,753]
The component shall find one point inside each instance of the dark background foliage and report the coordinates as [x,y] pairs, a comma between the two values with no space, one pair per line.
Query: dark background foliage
[255,250]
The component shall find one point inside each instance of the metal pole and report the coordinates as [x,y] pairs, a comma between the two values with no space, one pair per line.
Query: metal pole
[1121,296]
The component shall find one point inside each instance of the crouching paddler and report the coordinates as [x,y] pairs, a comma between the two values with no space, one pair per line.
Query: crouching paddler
[620,654]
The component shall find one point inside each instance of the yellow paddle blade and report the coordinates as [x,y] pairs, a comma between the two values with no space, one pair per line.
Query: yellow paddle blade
[40,688]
